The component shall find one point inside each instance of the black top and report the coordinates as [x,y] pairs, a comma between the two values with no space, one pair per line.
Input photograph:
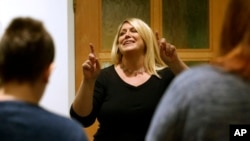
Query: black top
[124,111]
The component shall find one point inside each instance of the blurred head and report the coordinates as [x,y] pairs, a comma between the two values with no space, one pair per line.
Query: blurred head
[26,51]
[235,39]
[152,57]
[236,26]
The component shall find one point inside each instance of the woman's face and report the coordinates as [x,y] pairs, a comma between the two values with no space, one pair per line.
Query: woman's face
[129,39]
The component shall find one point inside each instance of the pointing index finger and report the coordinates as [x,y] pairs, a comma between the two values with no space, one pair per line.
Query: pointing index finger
[91,48]
[157,35]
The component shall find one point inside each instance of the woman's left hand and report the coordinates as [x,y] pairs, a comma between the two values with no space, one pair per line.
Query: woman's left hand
[167,51]
[169,55]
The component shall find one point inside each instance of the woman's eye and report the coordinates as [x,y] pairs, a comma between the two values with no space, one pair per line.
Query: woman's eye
[122,33]
[133,30]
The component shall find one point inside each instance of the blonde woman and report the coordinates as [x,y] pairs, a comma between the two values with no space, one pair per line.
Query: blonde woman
[123,96]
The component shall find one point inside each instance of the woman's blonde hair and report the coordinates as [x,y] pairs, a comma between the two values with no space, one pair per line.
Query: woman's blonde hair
[236,33]
[152,61]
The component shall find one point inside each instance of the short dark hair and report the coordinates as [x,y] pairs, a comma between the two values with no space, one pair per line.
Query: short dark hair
[26,49]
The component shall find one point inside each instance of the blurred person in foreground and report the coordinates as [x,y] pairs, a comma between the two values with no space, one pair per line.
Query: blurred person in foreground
[26,62]
[202,103]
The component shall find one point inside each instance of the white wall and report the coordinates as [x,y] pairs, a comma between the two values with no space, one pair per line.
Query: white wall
[57,16]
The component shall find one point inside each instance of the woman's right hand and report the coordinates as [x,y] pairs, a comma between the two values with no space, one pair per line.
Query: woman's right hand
[83,102]
[91,67]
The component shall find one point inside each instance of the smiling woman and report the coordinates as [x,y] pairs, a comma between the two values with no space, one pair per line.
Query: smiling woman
[100,26]
[110,20]
[130,40]
[124,95]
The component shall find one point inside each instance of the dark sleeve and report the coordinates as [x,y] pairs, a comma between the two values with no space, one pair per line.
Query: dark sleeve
[85,121]
[99,95]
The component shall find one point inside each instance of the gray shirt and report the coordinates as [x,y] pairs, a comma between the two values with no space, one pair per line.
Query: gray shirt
[200,105]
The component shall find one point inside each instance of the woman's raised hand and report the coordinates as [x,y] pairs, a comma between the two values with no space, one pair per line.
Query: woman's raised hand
[167,51]
[91,67]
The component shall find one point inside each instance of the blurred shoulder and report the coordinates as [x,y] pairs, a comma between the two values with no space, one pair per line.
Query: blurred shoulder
[199,75]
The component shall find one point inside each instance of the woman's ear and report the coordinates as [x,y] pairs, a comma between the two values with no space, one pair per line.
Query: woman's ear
[48,72]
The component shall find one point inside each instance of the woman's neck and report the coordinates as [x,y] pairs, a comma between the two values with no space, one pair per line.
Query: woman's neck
[132,66]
